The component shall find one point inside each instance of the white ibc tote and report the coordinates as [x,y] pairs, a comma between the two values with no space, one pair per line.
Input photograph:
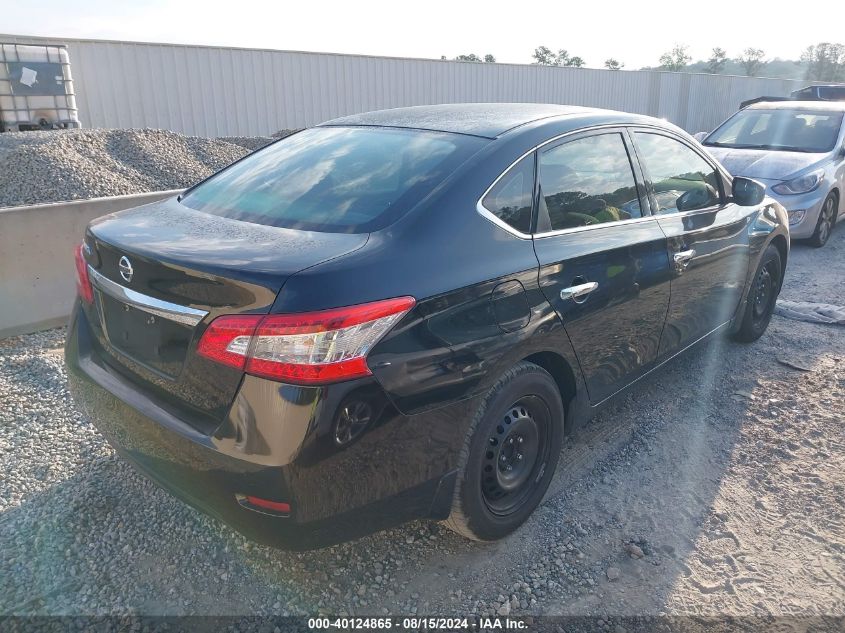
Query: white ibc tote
[36,88]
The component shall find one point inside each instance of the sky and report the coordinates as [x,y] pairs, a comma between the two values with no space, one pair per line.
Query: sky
[635,33]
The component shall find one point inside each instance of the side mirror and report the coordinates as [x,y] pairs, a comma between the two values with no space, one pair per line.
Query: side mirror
[747,192]
[700,136]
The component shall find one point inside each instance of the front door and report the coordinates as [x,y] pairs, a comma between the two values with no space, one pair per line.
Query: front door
[707,237]
[603,259]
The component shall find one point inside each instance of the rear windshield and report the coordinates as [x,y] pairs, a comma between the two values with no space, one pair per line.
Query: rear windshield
[334,179]
[779,129]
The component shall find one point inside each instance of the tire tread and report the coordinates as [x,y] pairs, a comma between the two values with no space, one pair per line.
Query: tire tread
[747,332]
[815,239]
[458,521]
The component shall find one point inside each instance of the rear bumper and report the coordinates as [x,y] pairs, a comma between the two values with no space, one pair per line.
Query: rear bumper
[277,443]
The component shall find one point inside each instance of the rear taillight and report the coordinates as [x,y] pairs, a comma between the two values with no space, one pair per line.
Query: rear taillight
[227,339]
[308,348]
[83,282]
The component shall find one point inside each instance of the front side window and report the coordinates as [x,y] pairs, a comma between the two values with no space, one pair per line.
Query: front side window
[334,179]
[588,181]
[511,199]
[682,180]
[779,129]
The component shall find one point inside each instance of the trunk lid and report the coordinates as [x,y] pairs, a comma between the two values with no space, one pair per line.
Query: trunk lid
[162,272]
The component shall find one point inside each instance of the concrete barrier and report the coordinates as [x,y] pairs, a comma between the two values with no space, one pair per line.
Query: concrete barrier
[37,271]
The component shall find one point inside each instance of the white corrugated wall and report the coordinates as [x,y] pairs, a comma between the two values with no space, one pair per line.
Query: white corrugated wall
[211,91]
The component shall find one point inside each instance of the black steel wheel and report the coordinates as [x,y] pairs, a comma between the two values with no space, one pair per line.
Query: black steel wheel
[764,291]
[826,221]
[510,454]
[517,449]
[762,296]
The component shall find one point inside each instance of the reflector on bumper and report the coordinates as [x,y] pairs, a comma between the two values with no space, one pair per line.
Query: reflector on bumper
[265,506]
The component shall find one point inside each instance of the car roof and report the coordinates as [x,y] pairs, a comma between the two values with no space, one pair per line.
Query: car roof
[836,106]
[489,120]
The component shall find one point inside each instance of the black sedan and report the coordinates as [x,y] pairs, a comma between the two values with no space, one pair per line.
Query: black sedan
[399,314]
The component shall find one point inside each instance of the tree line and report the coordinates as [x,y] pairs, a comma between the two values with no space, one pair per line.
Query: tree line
[824,61]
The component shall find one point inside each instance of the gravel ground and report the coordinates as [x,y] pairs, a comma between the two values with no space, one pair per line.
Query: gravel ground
[55,166]
[717,487]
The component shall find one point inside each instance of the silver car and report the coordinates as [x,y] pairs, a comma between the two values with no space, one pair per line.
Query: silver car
[795,148]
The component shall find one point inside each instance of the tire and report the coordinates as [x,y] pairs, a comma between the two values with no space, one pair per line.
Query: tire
[497,490]
[826,221]
[762,296]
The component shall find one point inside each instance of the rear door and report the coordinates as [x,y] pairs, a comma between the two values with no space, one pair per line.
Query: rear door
[603,259]
[707,236]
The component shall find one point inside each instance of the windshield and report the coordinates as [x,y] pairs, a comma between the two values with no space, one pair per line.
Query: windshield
[776,129]
[334,179]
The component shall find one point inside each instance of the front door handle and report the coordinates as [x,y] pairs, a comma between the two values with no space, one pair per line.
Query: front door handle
[578,293]
[684,257]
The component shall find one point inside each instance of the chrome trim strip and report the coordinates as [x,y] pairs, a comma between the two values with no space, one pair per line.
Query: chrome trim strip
[488,215]
[164,309]
[645,218]
[591,227]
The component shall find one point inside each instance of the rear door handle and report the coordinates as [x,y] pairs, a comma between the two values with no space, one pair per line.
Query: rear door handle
[684,257]
[578,293]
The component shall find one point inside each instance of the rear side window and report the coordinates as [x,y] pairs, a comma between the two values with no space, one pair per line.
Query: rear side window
[511,199]
[334,179]
[682,180]
[832,93]
[588,181]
